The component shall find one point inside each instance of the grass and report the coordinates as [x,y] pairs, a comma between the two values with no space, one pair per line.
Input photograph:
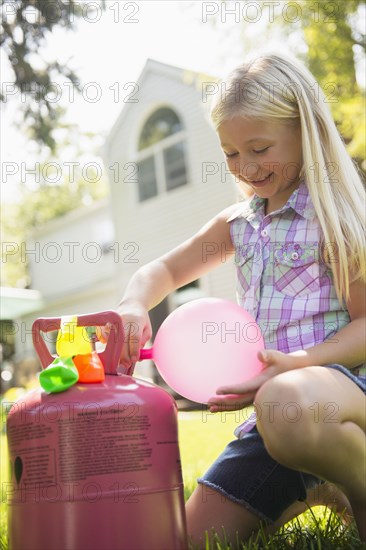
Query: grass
[202,437]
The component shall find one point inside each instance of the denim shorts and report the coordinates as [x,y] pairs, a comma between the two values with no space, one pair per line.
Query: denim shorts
[246,474]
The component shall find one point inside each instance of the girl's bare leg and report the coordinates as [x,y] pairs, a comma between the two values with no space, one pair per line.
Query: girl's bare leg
[207,509]
[314,420]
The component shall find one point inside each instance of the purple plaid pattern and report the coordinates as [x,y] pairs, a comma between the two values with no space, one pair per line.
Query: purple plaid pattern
[282,279]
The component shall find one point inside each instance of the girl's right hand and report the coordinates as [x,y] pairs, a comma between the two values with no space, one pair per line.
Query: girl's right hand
[137,331]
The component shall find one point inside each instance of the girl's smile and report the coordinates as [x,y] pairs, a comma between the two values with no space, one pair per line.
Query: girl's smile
[265,155]
[261,182]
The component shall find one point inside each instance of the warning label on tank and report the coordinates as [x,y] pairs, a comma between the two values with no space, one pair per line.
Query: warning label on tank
[35,466]
[96,446]
[27,432]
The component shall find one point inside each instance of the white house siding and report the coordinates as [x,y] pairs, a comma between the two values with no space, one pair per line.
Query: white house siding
[73,279]
[162,222]
[69,252]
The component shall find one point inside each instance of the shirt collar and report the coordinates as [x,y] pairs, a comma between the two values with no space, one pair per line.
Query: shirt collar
[300,201]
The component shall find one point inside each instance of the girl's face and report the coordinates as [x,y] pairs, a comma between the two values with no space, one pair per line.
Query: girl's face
[265,155]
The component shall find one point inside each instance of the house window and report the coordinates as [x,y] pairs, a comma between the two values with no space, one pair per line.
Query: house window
[175,169]
[161,154]
[146,178]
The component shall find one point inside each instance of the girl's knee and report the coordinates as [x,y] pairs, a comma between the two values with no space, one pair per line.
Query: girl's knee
[285,417]
[282,401]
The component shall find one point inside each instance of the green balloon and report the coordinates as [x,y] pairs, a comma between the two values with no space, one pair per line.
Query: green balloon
[59,375]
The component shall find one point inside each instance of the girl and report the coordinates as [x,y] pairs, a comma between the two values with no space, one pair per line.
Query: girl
[299,248]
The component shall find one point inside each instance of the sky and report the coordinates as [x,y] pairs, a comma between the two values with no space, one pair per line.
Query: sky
[109,49]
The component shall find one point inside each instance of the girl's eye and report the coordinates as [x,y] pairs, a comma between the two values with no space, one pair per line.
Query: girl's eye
[261,150]
[230,155]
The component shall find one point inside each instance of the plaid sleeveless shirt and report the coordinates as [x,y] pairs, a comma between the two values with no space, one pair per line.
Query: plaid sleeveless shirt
[282,279]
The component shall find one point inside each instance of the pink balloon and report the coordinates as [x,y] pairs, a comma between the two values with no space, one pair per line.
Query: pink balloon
[207,343]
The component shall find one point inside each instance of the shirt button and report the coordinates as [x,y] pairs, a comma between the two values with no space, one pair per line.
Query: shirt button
[294,256]
[264,233]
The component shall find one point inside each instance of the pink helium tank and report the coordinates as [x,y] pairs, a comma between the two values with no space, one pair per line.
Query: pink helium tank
[96,466]
[204,344]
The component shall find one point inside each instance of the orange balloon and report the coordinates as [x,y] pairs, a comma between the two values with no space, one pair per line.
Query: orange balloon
[90,367]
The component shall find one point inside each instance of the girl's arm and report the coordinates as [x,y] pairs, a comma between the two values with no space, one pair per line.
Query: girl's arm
[347,347]
[154,281]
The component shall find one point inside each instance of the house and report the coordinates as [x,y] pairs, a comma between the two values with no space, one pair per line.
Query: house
[167,178]
[167,175]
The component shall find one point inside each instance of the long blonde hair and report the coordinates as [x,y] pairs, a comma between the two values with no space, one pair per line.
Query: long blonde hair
[273,87]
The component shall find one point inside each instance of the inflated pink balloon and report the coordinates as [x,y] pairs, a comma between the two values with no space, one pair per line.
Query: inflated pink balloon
[204,344]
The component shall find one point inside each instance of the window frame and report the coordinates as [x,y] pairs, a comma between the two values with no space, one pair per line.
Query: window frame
[157,152]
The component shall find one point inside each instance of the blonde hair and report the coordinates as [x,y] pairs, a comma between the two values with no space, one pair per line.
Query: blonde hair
[273,87]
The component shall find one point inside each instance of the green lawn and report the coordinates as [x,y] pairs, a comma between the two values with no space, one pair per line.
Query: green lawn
[202,437]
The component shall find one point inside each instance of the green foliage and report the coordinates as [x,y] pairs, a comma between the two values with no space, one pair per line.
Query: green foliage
[13,270]
[25,27]
[332,43]
[351,121]
[52,201]
[334,38]
[330,40]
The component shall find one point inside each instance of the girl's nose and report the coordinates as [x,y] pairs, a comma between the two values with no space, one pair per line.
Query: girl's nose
[250,170]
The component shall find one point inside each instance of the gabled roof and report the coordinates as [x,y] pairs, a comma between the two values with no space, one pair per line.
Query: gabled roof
[187,76]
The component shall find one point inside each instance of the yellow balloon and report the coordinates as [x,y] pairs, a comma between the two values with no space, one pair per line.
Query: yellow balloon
[71,339]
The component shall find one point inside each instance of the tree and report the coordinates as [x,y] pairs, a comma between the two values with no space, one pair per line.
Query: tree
[334,33]
[25,27]
[331,34]
[339,46]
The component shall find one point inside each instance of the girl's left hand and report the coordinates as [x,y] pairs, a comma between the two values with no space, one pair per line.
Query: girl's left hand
[230,398]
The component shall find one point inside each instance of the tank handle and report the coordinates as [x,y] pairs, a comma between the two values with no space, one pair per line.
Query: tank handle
[109,357]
